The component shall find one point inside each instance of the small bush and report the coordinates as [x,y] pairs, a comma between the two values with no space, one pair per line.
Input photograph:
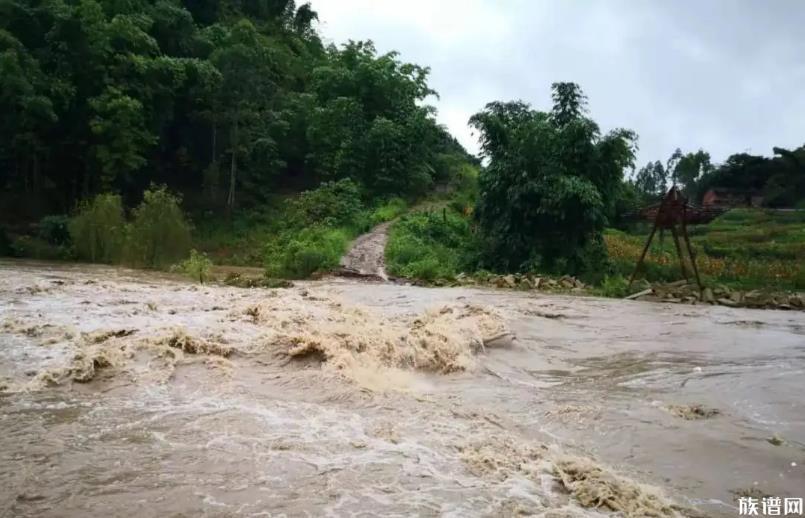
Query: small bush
[615,286]
[159,234]
[37,248]
[55,229]
[428,268]
[404,248]
[197,266]
[98,230]
[331,204]
[388,211]
[312,250]
[431,246]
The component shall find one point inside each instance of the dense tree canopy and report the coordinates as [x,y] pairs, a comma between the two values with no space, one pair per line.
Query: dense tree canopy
[779,181]
[226,101]
[551,182]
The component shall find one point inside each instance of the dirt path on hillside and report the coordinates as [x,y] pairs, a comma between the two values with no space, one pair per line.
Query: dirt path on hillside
[366,258]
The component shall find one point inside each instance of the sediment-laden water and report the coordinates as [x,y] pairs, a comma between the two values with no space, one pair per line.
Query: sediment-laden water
[128,393]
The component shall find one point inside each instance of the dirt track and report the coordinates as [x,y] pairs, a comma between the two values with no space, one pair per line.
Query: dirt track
[366,257]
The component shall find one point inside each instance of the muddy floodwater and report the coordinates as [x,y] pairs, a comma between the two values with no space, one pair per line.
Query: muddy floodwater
[125,393]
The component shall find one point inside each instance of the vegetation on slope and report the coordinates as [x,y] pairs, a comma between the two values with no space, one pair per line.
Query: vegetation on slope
[135,130]
[227,103]
[744,248]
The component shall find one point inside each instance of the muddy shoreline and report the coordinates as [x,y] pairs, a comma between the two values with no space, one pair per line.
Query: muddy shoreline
[336,396]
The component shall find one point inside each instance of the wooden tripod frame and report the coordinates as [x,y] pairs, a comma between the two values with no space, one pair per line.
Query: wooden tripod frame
[672,214]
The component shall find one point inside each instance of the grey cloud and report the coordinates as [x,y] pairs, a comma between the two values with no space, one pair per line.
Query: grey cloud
[722,75]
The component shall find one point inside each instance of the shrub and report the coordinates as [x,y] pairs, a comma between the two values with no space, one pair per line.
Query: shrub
[430,246]
[98,229]
[55,229]
[159,234]
[37,248]
[615,286]
[465,190]
[330,204]
[197,266]
[314,249]
[388,211]
[403,248]
[428,268]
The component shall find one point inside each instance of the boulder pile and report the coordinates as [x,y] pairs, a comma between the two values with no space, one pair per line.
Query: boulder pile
[526,282]
[682,292]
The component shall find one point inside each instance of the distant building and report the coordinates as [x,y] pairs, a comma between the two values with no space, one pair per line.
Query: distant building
[723,197]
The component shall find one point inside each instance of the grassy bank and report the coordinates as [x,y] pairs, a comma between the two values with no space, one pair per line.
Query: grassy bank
[295,237]
[289,237]
[429,245]
[744,249]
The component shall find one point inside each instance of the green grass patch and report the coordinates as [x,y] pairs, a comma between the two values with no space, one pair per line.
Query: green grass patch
[430,246]
[296,236]
[389,210]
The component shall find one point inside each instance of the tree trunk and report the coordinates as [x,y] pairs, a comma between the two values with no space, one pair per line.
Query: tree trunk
[36,184]
[233,171]
[213,181]
[213,156]
[85,182]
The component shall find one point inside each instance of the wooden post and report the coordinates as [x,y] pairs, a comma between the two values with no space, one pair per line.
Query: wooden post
[679,252]
[643,255]
[691,253]
[650,237]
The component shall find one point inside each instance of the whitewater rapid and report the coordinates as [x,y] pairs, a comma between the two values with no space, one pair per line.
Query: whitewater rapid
[125,392]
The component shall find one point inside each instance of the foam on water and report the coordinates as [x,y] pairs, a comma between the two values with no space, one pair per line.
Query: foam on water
[130,394]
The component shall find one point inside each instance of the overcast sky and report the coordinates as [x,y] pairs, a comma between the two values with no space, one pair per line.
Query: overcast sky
[723,75]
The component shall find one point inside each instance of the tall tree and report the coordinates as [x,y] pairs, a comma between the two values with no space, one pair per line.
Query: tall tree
[690,167]
[651,179]
[550,183]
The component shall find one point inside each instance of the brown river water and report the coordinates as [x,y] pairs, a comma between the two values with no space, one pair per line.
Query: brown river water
[129,393]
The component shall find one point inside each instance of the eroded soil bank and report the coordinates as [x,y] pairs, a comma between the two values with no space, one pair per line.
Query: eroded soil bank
[131,393]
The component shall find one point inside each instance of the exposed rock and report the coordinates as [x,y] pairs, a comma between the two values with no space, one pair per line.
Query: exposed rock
[692,412]
[509,281]
[682,291]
